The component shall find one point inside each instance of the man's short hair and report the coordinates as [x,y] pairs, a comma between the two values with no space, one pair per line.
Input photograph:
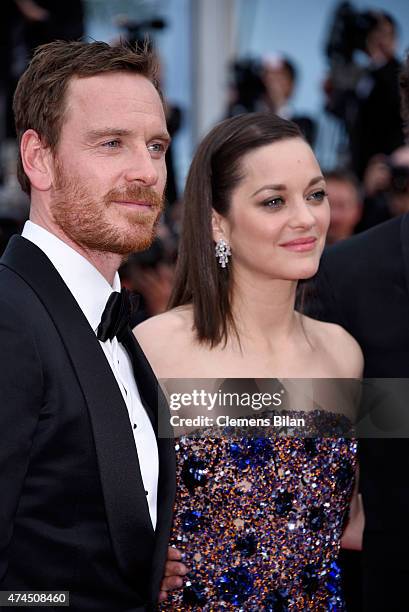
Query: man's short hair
[40,97]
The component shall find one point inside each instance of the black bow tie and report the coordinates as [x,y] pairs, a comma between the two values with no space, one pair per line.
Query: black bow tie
[116,316]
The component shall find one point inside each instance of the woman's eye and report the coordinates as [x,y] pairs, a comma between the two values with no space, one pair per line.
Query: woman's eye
[318,196]
[273,203]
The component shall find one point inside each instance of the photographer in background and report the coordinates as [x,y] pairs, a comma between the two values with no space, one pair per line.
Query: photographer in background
[345,204]
[267,85]
[378,124]
[246,87]
[279,76]
[366,99]
[47,20]
[386,188]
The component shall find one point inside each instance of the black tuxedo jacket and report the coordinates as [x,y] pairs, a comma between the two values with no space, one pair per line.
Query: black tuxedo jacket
[363,284]
[73,511]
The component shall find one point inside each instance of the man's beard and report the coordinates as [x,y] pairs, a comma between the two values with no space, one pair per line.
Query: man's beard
[87,222]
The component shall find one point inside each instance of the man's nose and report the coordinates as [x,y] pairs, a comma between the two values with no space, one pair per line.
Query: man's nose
[141,168]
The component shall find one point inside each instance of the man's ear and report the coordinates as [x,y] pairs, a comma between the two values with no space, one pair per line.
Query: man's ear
[37,161]
[219,227]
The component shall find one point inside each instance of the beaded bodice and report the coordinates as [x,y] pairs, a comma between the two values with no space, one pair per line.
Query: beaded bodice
[259,521]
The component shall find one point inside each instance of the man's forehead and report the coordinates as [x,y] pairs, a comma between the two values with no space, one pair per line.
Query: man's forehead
[108,89]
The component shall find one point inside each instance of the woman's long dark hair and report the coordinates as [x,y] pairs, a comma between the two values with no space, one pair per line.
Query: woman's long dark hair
[214,173]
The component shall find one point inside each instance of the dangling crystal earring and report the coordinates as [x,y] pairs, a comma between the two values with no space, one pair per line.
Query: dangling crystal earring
[222,252]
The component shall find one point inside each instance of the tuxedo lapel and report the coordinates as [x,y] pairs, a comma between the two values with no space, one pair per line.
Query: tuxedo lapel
[147,386]
[152,395]
[125,501]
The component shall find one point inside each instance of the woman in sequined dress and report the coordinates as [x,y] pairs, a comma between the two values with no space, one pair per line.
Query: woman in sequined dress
[259,520]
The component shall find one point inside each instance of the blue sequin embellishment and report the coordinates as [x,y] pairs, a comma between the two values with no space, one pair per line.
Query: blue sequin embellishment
[194,473]
[191,520]
[236,585]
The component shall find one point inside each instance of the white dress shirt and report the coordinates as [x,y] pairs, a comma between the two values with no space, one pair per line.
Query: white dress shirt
[91,290]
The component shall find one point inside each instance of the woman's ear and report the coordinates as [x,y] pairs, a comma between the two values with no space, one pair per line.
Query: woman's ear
[219,227]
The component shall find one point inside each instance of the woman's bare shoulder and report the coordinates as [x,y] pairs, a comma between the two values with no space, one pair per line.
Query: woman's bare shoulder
[170,344]
[338,345]
[165,336]
[171,324]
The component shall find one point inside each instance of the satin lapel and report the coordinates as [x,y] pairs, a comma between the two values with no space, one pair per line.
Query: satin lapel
[158,410]
[404,240]
[125,501]
[147,385]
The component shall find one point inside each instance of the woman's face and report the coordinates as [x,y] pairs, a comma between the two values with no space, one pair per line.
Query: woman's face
[279,213]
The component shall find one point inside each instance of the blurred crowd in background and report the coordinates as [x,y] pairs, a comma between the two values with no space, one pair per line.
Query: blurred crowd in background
[368,178]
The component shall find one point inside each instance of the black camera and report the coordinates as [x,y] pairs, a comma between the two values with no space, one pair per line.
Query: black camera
[137,32]
[245,78]
[349,31]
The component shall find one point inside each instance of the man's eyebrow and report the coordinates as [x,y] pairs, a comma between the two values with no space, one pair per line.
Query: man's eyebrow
[108,132]
[165,136]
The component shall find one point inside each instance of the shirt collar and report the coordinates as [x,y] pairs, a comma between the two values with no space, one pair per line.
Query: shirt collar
[89,288]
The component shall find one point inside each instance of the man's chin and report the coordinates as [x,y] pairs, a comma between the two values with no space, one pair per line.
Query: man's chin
[132,245]
[117,239]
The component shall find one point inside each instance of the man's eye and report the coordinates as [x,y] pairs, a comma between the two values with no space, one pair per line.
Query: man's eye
[157,147]
[273,203]
[318,195]
[111,144]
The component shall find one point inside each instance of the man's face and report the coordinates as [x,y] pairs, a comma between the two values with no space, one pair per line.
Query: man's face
[346,209]
[387,38]
[109,170]
[278,82]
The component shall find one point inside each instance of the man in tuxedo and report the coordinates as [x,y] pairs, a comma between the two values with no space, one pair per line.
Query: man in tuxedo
[87,483]
[363,284]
